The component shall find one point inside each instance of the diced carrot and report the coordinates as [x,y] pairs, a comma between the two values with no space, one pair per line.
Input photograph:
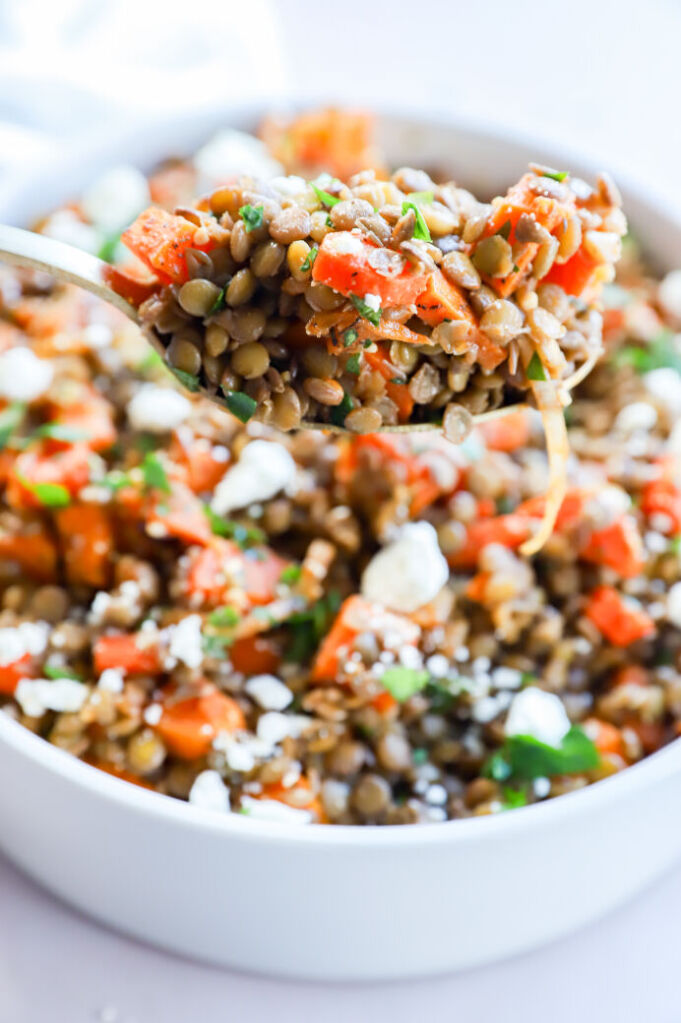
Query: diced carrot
[339,142]
[33,550]
[508,530]
[202,469]
[69,468]
[575,276]
[399,393]
[442,300]
[662,497]
[607,738]
[262,570]
[344,263]
[172,185]
[205,577]
[571,510]
[358,454]
[161,239]
[619,546]
[341,634]
[476,588]
[179,514]
[130,284]
[223,566]
[631,675]
[255,655]
[126,651]
[11,674]
[188,727]
[86,543]
[618,618]
[652,734]
[507,433]
[118,772]
[613,322]
[384,702]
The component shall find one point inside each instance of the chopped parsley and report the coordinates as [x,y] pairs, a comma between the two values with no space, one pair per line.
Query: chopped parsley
[339,412]
[513,798]
[419,755]
[397,380]
[325,197]
[535,369]
[243,536]
[115,480]
[421,231]
[554,174]
[505,230]
[240,405]
[151,361]
[224,617]
[365,310]
[675,545]
[188,380]
[155,477]
[308,627]
[54,671]
[349,337]
[10,419]
[290,575]
[51,495]
[107,250]
[522,757]
[215,646]
[421,197]
[352,365]
[439,695]
[404,682]
[252,216]
[308,263]
[58,431]
[661,353]
[219,302]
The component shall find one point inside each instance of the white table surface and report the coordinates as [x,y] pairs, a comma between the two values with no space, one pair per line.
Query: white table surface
[600,76]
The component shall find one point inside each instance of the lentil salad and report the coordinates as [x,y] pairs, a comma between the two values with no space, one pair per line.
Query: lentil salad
[334,629]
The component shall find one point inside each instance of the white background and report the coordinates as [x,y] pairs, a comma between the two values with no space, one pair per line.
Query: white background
[601,76]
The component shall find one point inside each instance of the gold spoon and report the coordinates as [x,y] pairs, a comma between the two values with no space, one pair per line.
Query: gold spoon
[73,266]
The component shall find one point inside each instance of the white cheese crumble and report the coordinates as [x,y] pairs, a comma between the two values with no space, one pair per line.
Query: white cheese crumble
[185,641]
[111,680]
[373,301]
[97,335]
[407,573]
[539,714]
[27,638]
[116,197]
[343,243]
[669,294]
[541,787]
[640,415]
[209,792]
[269,692]
[291,185]
[665,385]
[272,810]
[153,714]
[265,468]
[674,605]
[65,226]
[157,409]
[35,696]
[23,376]
[230,154]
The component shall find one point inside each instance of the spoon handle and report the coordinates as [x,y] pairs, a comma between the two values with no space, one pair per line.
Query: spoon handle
[65,262]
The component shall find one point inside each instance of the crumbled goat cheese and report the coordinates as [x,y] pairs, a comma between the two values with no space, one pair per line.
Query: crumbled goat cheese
[640,415]
[269,692]
[186,641]
[65,226]
[272,810]
[23,376]
[97,335]
[373,301]
[291,185]
[407,573]
[669,294]
[541,787]
[157,409]
[608,504]
[116,197]
[35,696]
[230,154]
[153,714]
[209,792]
[539,714]
[272,727]
[507,678]
[437,665]
[674,605]
[27,638]
[265,468]
[112,680]
[344,244]
[665,385]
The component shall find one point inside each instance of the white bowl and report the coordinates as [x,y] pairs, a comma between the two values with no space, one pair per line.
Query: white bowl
[336,902]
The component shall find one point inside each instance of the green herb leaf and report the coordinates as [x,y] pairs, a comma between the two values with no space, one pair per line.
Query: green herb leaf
[505,230]
[115,480]
[370,314]
[224,617]
[58,431]
[535,369]
[53,671]
[243,536]
[325,197]
[215,646]
[252,216]
[419,755]
[421,197]
[290,575]
[555,175]
[308,627]
[675,545]
[352,365]
[349,337]
[420,228]
[308,262]
[339,412]
[240,405]
[513,798]
[403,682]
[151,361]
[397,380]
[52,495]
[155,477]
[219,302]
[660,353]
[107,250]
[523,757]
[10,419]
[188,380]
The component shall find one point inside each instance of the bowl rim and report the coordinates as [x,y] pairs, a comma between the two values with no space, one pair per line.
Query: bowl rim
[129,797]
